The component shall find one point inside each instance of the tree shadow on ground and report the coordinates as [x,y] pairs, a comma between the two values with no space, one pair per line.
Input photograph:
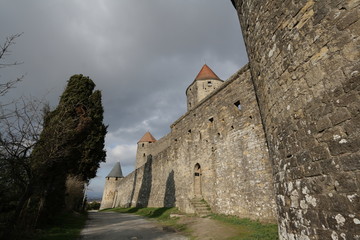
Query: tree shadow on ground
[158,212]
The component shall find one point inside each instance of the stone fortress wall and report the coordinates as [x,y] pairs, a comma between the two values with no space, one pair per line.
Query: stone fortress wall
[298,127]
[223,136]
[305,64]
[110,192]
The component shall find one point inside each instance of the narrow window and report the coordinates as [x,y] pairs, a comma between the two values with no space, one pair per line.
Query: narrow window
[211,119]
[143,145]
[238,105]
[209,84]
[144,155]
[189,131]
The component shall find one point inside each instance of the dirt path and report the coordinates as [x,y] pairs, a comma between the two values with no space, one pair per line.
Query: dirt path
[115,226]
[209,229]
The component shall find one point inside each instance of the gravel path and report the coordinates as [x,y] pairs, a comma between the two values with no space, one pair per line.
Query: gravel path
[120,226]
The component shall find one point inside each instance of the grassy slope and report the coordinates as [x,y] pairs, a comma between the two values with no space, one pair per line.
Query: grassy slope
[249,230]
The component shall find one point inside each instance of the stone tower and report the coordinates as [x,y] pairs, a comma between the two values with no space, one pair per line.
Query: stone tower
[143,149]
[205,82]
[304,60]
[111,185]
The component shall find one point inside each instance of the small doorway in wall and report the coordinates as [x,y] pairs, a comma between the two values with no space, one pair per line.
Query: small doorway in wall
[197,181]
[114,199]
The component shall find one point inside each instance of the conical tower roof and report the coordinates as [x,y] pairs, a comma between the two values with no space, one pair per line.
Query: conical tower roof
[116,171]
[206,73]
[147,138]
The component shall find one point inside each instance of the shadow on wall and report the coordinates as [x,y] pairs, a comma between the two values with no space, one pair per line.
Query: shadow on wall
[133,189]
[145,189]
[169,198]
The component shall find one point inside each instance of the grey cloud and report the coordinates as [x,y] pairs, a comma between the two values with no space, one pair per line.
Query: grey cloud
[141,54]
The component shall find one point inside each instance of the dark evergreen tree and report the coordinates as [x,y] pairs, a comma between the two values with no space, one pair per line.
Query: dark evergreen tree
[71,143]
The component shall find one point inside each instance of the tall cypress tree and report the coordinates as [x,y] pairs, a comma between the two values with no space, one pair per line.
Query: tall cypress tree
[71,143]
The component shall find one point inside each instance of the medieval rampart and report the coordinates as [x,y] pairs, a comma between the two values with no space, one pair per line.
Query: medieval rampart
[216,151]
[304,60]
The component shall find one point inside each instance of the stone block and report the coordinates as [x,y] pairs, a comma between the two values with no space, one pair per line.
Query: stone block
[346,100]
[354,108]
[348,19]
[323,123]
[312,218]
[350,162]
[303,157]
[319,152]
[354,200]
[296,173]
[330,165]
[314,75]
[324,234]
[326,203]
[321,10]
[342,146]
[355,29]
[339,203]
[340,115]
[345,183]
[318,185]
[353,126]
[312,169]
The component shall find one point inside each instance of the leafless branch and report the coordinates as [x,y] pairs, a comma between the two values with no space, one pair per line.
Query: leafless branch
[4,51]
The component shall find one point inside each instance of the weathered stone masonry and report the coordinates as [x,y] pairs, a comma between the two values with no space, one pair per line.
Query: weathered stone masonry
[297,101]
[304,60]
[216,151]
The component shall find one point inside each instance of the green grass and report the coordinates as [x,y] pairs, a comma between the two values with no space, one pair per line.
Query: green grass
[248,229]
[160,214]
[65,227]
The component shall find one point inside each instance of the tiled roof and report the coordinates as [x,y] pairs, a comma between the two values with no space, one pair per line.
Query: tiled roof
[206,73]
[147,138]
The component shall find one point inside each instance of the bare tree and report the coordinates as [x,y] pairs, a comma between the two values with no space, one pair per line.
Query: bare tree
[5,51]
[19,131]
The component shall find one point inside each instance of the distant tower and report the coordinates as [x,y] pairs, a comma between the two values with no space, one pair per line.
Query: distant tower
[205,82]
[143,148]
[111,185]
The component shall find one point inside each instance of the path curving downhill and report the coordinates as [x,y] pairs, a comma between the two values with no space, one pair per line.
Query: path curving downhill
[121,226]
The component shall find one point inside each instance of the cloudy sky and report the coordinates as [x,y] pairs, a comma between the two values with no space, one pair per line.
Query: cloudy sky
[141,54]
